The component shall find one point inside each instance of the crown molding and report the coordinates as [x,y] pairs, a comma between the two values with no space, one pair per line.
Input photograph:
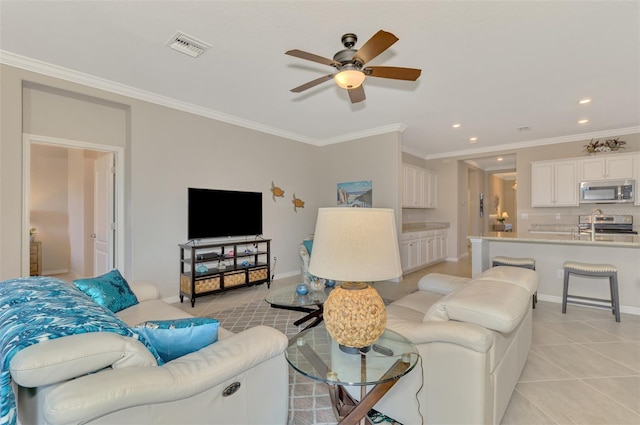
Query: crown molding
[40,67]
[391,128]
[534,143]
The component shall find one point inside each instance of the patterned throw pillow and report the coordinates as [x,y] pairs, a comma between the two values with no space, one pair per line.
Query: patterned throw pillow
[110,290]
[175,338]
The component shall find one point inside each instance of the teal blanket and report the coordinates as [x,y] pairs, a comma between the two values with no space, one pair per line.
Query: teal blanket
[36,309]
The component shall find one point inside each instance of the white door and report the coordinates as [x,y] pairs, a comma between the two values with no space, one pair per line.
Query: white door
[103,221]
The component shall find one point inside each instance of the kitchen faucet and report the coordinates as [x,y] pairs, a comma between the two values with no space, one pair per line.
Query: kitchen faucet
[594,213]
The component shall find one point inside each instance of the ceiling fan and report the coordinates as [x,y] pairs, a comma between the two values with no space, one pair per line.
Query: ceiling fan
[350,64]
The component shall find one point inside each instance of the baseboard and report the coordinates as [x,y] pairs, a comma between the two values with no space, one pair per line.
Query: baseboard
[558,300]
[171,300]
[54,272]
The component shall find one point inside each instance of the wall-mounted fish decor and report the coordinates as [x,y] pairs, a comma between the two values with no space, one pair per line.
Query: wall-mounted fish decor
[297,203]
[276,191]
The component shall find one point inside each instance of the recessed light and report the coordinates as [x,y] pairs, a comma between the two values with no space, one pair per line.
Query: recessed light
[499,159]
[473,139]
[583,121]
[456,126]
[584,101]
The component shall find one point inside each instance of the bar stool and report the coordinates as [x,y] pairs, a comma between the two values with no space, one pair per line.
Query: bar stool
[591,270]
[525,263]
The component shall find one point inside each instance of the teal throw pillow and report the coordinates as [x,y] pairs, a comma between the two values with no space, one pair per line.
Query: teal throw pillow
[175,338]
[110,290]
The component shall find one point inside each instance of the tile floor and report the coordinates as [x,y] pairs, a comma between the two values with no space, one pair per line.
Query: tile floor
[584,368]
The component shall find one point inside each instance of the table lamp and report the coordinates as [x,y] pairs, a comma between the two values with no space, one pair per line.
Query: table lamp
[503,217]
[355,246]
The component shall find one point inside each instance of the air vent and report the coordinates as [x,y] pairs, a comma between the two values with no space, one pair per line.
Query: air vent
[188,45]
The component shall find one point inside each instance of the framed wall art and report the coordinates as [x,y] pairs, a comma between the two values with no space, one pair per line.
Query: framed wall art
[355,194]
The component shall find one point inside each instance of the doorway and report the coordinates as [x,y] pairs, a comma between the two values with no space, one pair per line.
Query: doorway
[73,200]
[502,189]
[491,192]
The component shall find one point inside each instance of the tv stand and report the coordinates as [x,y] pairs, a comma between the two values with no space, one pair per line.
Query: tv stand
[212,268]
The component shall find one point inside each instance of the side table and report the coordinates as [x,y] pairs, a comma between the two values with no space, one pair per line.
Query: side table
[316,355]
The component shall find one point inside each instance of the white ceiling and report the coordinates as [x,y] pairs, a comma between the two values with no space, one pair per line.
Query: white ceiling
[492,66]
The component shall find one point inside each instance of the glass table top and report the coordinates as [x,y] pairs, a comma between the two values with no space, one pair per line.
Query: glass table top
[287,296]
[316,355]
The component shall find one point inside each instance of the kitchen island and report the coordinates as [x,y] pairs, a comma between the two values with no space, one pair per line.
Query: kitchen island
[550,252]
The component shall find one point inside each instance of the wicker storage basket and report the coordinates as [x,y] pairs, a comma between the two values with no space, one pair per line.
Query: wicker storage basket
[233,279]
[202,286]
[257,274]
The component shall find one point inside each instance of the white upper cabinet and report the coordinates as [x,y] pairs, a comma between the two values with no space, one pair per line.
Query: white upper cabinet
[430,189]
[554,184]
[419,189]
[607,167]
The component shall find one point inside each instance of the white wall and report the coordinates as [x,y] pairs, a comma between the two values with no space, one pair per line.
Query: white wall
[167,151]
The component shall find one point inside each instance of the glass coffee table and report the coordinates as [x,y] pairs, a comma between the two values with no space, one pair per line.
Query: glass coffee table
[316,355]
[311,303]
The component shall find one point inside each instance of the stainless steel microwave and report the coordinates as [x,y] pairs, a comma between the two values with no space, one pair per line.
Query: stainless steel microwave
[607,192]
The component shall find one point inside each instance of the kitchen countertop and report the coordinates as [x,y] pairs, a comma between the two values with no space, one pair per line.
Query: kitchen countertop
[421,227]
[616,240]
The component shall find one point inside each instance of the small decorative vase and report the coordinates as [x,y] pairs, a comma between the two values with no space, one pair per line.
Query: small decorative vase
[302,289]
[317,285]
[330,283]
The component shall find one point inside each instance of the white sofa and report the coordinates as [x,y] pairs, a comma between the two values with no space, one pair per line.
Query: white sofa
[106,378]
[473,337]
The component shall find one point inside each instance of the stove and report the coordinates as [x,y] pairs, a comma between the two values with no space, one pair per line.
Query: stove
[608,224]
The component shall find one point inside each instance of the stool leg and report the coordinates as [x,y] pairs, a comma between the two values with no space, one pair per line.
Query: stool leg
[613,304]
[565,291]
[614,295]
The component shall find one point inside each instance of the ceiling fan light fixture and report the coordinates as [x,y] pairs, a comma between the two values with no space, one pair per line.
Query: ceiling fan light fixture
[349,78]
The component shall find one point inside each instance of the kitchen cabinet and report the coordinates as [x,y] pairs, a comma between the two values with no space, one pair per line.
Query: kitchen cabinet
[410,252]
[419,187]
[413,187]
[420,249]
[554,183]
[607,167]
[430,189]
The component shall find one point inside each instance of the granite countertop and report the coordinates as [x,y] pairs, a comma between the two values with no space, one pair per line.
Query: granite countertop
[625,241]
[421,227]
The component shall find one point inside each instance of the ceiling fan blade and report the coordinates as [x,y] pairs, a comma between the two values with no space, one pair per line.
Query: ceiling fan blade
[377,44]
[313,83]
[394,72]
[357,95]
[310,56]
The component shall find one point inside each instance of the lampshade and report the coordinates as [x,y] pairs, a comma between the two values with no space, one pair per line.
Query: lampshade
[349,78]
[355,245]
[505,215]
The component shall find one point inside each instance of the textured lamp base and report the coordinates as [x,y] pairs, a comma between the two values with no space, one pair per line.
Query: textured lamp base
[355,316]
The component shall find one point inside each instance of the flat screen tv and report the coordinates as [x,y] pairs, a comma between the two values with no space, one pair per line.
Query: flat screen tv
[223,213]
